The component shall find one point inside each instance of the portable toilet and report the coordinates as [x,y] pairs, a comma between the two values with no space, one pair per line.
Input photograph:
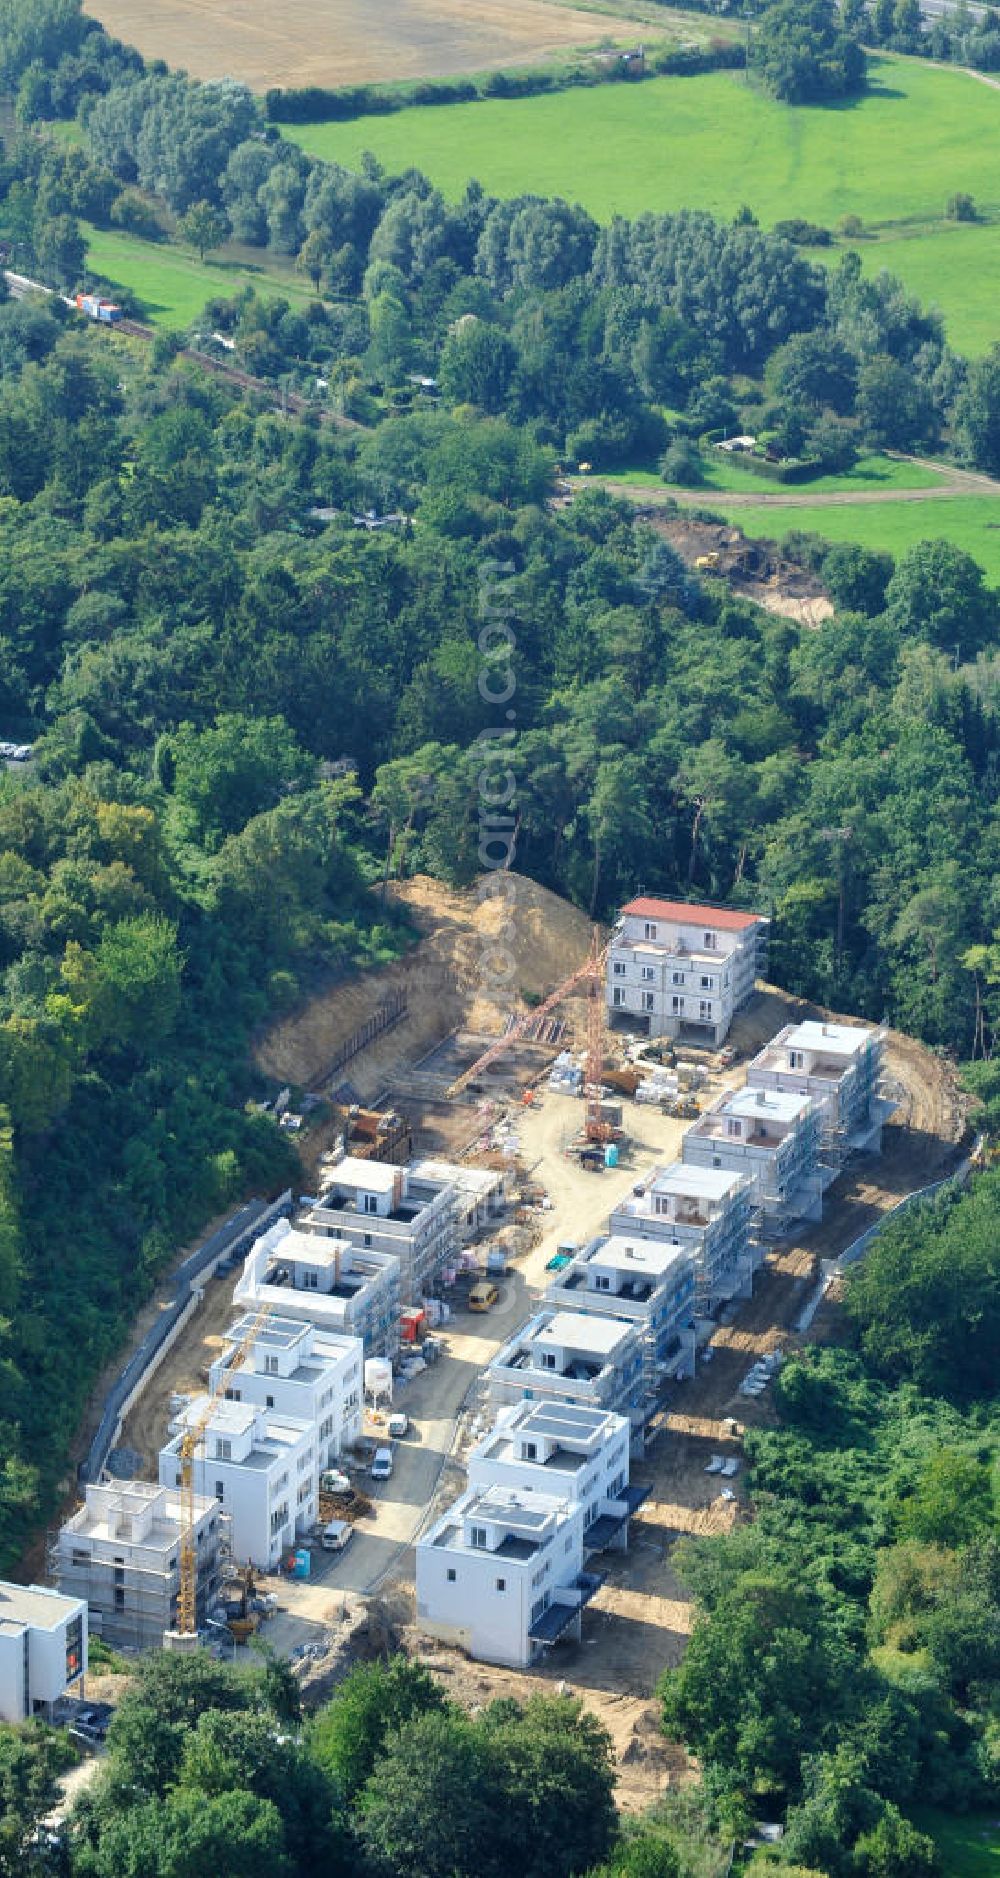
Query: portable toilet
[611,1154]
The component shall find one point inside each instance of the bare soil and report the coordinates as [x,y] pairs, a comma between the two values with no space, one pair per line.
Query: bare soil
[446,978]
[346,42]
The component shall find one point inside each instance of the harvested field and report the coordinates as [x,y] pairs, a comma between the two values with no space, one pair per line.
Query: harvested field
[344,42]
[445,979]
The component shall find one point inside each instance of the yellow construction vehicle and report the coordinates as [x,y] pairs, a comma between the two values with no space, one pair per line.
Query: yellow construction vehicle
[187,1602]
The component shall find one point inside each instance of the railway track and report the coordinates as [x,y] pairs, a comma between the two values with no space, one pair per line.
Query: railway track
[290,402]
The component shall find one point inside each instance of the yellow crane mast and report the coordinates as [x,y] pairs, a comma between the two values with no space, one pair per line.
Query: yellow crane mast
[187,1602]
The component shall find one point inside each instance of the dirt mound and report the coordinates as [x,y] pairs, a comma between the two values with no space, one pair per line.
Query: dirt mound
[458,974]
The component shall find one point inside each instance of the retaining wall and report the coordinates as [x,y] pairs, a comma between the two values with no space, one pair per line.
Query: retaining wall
[230,1241]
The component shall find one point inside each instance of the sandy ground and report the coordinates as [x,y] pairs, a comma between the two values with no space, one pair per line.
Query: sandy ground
[345,42]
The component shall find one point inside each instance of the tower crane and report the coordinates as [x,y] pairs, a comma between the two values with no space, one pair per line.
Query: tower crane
[588,978]
[187,1601]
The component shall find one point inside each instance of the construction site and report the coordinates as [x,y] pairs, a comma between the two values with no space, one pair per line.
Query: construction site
[456,1073]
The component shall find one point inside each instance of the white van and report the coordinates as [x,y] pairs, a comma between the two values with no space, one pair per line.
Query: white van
[336,1536]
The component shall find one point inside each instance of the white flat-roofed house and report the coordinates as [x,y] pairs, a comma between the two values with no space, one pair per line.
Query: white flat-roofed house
[575,1453]
[43,1649]
[840,1066]
[647,1282]
[771,1136]
[415,1214]
[121,1553]
[680,970]
[573,1356]
[262,1468]
[501,1574]
[324,1280]
[705,1209]
[298,1369]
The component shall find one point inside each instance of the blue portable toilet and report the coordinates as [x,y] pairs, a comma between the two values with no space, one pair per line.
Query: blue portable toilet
[611,1154]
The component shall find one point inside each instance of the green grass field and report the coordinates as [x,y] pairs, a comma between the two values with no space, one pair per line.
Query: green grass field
[971,522]
[713,142]
[171,281]
[969,1846]
[870,472]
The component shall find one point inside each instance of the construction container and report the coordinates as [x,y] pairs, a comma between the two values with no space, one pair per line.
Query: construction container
[611,1112]
[412,1325]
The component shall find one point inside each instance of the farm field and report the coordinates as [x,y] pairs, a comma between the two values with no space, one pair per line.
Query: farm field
[171,281]
[712,142]
[869,473]
[346,42]
[969,522]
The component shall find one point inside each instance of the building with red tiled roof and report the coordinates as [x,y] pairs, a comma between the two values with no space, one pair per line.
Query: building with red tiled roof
[678,969]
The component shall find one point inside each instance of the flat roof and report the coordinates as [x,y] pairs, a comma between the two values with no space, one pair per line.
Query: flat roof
[374,1176]
[708,1183]
[133,1498]
[828,1039]
[34,1605]
[782,1105]
[285,1332]
[310,1248]
[652,1257]
[558,1421]
[527,1506]
[685,913]
[229,1417]
[576,1330]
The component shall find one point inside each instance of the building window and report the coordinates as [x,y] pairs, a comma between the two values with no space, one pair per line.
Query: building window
[79,1557]
[477,1537]
[74,1647]
[223,1448]
[548,1359]
[371,1202]
[716,1160]
[270,1366]
[451,1574]
[734,1127]
[368,1238]
[220,1489]
[618,969]
[531,1450]
[648,973]
[601,1283]
[706,983]
[796,1059]
[677,1006]
[647,1000]
[710,942]
[310,1281]
[501,1584]
[269,1401]
[618,997]
[705,1008]
[678,978]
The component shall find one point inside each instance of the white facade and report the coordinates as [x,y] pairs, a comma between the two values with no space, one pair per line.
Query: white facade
[773,1138]
[324,1280]
[262,1468]
[704,1209]
[121,1553]
[570,1356]
[299,1370]
[43,1649]
[379,1207]
[646,1282]
[501,1574]
[683,970]
[840,1066]
[572,1452]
